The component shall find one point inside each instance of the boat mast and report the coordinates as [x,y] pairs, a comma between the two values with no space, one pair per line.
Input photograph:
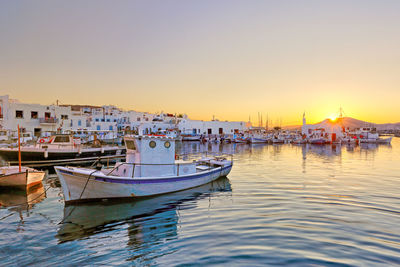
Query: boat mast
[19,149]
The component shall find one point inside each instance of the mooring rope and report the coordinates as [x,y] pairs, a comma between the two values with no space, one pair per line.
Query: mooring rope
[84,188]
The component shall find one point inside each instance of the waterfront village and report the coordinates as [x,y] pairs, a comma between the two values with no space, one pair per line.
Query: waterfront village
[109,123]
[133,154]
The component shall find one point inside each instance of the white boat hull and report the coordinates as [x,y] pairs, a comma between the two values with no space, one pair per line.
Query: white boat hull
[255,140]
[100,186]
[191,138]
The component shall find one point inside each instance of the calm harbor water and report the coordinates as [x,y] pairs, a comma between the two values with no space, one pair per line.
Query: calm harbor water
[281,204]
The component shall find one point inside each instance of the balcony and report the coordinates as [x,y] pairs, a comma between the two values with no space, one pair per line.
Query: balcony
[48,120]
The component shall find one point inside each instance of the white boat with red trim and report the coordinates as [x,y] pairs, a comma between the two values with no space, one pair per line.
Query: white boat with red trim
[151,168]
[57,147]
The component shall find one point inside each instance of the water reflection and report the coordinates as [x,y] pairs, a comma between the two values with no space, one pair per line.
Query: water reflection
[147,218]
[322,150]
[21,201]
[366,150]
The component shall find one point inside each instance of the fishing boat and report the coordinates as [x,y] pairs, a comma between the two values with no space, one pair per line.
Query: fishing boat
[239,138]
[299,141]
[317,140]
[278,140]
[387,140]
[151,168]
[57,147]
[190,137]
[257,136]
[19,176]
[22,178]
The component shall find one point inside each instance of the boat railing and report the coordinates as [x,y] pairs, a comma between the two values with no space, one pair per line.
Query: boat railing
[205,160]
[199,155]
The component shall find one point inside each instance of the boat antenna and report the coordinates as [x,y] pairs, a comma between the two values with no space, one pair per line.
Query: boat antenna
[19,149]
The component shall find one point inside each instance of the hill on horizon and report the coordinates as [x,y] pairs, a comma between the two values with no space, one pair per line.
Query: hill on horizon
[351,123]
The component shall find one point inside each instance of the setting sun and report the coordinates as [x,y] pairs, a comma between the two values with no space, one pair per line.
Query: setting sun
[333,117]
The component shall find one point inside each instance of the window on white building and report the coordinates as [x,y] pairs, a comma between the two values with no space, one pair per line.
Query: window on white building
[19,114]
[34,114]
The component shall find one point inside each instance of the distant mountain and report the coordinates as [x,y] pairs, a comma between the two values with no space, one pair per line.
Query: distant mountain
[351,123]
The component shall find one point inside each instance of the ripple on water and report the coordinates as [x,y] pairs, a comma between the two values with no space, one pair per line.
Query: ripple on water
[281,205]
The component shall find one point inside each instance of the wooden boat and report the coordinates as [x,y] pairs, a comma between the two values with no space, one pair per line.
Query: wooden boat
[27,177]
[18,176]
[151,168]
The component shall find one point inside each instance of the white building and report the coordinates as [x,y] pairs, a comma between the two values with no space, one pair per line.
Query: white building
[39,119]
[33,118]
[211,127]
[326,126]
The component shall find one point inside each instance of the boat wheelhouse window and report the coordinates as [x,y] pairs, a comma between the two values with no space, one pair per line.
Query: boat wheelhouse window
[19,114]
[167,144]
[34,114]
[152,144]
[61,139]
[130,144]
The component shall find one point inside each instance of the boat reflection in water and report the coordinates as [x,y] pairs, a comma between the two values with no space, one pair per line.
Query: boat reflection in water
[21,201]
[84,220]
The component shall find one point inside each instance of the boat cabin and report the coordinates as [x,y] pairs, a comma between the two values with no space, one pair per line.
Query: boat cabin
[59,140]
[152,156]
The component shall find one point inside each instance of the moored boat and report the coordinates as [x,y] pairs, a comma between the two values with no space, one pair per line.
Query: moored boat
[58,147]
[190,137]
[13,176]
[151,168]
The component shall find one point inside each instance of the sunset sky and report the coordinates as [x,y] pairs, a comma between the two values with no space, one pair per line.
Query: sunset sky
[230,58]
